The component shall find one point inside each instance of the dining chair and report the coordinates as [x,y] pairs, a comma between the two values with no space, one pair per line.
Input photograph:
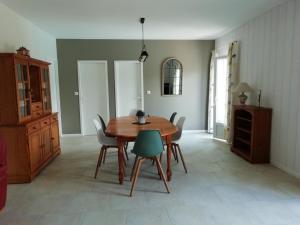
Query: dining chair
[103,125]
[148,145]
[106,142]
[172,118]
[175,141]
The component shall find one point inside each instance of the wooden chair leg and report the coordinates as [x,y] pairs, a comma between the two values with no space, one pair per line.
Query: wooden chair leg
[124,156]
[99,161]
[139,163]
[181,156]
[175,153]
[126,153]
[134,167]
[161,157]
[104,156]
[162,173]
[158,170]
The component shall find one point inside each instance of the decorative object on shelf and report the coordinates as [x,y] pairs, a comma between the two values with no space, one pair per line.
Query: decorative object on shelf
[23,51]
[259,98]
[140,116]
[144,54]
[171,77]
[242,88]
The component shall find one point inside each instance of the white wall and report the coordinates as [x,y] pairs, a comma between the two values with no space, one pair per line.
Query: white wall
[16,31]
[270,60]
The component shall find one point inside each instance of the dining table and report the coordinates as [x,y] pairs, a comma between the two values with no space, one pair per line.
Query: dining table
[125,129]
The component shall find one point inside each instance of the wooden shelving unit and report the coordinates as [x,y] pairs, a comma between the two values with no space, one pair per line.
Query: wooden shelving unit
[252,132]
[27,124]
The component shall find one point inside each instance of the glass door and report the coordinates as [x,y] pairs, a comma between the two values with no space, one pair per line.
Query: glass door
[46,90]
[23,90]
[220,98]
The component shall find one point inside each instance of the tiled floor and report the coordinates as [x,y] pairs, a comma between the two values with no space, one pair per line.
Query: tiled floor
[220,189]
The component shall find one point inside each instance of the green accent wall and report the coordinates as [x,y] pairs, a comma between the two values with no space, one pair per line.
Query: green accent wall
[194,55]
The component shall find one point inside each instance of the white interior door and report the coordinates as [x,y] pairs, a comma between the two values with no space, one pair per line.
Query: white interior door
[93,93]
[128,87]
[220,105]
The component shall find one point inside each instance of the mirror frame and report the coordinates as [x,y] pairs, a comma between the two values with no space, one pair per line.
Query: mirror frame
[162,76]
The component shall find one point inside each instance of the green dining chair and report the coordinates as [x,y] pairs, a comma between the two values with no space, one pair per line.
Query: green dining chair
[148,145]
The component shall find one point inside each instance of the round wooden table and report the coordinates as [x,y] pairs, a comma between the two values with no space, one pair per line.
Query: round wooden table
[125,129]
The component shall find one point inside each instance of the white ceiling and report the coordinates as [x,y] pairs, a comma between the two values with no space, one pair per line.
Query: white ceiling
[118,19]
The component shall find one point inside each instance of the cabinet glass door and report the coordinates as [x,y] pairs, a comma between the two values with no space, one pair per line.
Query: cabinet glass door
[46,90]
[23,89]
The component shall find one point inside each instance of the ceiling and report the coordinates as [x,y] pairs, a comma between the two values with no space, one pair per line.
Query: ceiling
[118,19]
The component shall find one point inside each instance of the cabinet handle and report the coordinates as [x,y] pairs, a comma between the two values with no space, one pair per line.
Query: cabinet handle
[52,138]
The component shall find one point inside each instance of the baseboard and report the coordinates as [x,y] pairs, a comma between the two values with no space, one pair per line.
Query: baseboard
[194,131]
[285,169]
[71,135]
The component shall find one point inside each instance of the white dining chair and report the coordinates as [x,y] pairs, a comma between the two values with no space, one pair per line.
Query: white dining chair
[106,142]
[175,142]
[103,125]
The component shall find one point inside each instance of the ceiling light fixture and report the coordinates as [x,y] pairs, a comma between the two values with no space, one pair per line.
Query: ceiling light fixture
[144,54]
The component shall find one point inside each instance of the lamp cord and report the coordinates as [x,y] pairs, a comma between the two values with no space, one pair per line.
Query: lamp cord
[143,43]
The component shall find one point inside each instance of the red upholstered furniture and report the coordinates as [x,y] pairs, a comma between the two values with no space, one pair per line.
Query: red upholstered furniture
[3,174]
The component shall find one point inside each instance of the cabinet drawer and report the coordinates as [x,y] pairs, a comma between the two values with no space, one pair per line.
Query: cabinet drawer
[33,127]
[45,122]
[37,114]
[54,119]
[36,106]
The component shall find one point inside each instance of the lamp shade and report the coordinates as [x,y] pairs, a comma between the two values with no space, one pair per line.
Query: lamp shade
[243,87]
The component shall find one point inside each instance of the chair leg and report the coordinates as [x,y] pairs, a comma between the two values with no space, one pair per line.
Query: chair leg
[104,156]
[124,156]
[99,161]
[126,153]
[175,153]
[158,170]
[181,156]
[161,157]
[139,163]
[162,173]
[134,167]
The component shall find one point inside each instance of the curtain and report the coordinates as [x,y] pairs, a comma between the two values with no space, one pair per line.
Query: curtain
[211,93]
[233,80]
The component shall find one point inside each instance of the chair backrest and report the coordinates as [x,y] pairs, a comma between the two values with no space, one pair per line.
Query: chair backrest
[179,125]
[102,138]
[102,123]
[172,118]
[148,143]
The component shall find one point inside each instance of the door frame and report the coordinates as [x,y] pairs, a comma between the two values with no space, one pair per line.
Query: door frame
[116,79]
[215,92]
[81,113]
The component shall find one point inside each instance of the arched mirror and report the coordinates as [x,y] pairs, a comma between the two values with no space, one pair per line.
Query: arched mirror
[171,77]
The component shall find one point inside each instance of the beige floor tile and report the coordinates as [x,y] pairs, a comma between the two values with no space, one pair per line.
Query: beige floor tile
[219,189]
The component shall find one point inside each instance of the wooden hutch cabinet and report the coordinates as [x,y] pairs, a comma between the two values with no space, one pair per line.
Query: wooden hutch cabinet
[27,123]
[252,133]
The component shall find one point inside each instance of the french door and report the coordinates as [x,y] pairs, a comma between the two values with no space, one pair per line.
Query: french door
[93,94]
[219,97]
[128,87]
